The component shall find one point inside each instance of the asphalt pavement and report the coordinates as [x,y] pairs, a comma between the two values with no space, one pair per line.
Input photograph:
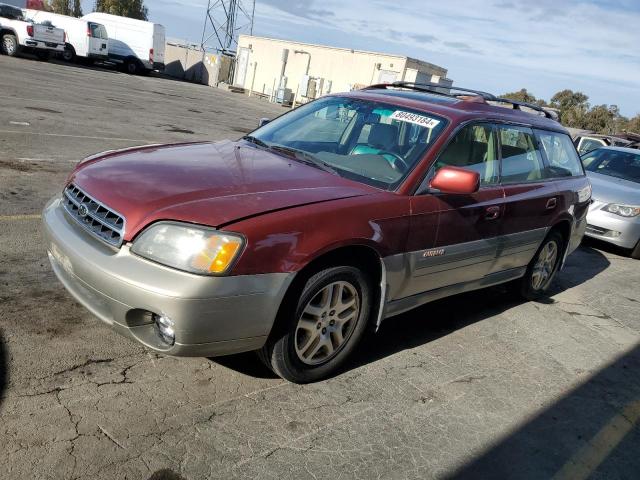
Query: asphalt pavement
[481,385]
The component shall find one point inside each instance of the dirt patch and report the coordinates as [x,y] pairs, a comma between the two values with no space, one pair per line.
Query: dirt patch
[25,166]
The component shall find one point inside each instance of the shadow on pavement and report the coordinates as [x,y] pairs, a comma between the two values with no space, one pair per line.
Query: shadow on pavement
[442,317]
[590,433]
[245,363]
[4,367]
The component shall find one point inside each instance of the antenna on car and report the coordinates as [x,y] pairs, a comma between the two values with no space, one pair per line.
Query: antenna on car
[437,88]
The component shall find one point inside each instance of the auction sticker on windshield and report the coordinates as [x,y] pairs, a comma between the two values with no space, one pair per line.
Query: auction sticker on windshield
[415,118]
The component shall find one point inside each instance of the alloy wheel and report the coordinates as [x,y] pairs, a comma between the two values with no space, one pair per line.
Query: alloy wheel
[544,267]
[327,322]
[9,44]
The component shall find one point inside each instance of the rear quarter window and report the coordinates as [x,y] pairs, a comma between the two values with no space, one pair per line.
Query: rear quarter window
[562,157]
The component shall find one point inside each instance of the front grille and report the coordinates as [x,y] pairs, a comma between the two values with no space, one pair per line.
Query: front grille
[596,230]
[99,220]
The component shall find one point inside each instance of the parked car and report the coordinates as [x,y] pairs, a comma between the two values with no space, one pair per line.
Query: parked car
[18,34]
[589,142]
[85,40]
[297,238]
[614,215]
[135,44]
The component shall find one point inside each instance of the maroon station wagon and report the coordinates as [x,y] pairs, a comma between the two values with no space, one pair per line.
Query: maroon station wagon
[298,238]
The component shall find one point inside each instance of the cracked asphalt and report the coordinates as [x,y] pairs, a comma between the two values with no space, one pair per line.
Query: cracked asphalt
[476,386]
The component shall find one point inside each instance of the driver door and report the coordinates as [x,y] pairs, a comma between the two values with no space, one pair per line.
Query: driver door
[467,227]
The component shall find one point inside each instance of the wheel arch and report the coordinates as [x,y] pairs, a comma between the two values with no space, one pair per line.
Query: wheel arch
[356,254]
[563,226]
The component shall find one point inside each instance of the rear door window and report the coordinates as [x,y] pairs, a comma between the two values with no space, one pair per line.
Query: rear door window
[562,158]
[521,159]
[474,148]
[589,144]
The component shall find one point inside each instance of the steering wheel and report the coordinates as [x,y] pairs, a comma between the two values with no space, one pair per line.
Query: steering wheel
[398,163]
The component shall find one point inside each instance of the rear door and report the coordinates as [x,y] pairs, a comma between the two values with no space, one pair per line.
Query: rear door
[453,239]
[158,43]
[531,200]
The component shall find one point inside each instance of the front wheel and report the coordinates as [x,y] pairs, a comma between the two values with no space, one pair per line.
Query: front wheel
[327,322]
[9,45]
[69,54]
[543,268]
[635,252]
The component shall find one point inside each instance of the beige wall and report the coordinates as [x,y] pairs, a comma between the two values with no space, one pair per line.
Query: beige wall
[187,63]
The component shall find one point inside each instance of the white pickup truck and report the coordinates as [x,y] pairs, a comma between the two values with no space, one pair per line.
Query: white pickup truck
[18,34]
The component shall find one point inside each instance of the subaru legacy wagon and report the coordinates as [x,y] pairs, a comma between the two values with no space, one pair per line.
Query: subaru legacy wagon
[303,235]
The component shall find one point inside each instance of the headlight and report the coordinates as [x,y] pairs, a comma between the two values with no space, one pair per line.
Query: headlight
[190,248]
[622,210]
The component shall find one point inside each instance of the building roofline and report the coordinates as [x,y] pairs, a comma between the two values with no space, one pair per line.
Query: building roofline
[352,50]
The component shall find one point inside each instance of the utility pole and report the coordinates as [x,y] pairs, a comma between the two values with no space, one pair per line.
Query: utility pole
[224,20]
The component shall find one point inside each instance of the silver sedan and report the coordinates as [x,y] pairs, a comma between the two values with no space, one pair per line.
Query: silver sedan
[614,215]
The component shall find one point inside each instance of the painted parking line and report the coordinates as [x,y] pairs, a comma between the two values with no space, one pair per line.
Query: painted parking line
[10,218]
[590,457]
[21,132]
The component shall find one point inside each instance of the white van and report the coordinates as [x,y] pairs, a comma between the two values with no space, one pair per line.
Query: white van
[136,44]
[84,39]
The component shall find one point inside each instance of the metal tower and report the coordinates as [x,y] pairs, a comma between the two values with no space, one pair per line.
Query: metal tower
[224,20]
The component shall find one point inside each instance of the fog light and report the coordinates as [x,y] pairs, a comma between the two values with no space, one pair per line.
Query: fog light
[164,328]
[612,234]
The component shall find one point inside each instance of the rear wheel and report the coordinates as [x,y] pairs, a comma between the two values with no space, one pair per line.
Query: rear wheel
[543,268]
[9,45]
[314,338]
[635,253]
[132,66]
[69,54]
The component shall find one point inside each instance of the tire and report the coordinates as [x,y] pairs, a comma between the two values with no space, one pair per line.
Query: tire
[542,269]
[312,337]
[9,45]
[132,66]
[635,252]
[69,54]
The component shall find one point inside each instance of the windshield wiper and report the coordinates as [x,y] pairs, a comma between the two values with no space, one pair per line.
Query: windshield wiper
[305,157]
[300,155]
[256,141]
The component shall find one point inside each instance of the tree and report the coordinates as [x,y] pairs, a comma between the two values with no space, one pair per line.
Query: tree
[573,107]
[65,7]
[125,8]
[523,95]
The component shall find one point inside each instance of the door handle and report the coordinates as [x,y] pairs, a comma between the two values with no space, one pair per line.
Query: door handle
[552,203]
[491,213]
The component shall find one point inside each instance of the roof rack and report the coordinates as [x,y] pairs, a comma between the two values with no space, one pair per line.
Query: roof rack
[431,88]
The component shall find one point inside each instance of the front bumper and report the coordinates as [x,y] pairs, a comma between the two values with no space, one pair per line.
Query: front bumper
[212,315]
[612,228]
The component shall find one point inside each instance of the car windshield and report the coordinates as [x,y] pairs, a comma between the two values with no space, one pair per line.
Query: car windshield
[370,142]
[615,163]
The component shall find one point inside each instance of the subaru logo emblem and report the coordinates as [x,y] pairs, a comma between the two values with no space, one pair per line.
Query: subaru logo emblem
[83,211]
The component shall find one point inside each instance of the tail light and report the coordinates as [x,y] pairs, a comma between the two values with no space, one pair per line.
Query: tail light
[151,55]
[30,30]
[65,36]
[88,31]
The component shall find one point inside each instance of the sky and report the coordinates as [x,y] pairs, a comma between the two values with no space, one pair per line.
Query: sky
[493,45]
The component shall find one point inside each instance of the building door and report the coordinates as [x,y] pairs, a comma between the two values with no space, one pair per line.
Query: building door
[387,76]
[242,62]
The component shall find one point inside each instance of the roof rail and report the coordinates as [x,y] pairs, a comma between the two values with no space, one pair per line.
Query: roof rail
[517,104]
[431,88]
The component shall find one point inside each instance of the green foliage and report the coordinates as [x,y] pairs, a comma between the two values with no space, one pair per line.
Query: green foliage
[524,96]
[575,111]
[125,8]
[71,8]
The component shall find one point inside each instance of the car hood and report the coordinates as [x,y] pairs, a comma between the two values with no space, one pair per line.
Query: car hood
[212,184]
[608,189]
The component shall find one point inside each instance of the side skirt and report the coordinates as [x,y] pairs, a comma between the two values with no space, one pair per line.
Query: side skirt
[396,307]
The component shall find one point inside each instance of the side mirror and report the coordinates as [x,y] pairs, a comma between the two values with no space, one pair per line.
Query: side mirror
[263,122]
[456,180]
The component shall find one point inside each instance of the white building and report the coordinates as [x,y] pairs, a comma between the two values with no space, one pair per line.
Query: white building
[282,68]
